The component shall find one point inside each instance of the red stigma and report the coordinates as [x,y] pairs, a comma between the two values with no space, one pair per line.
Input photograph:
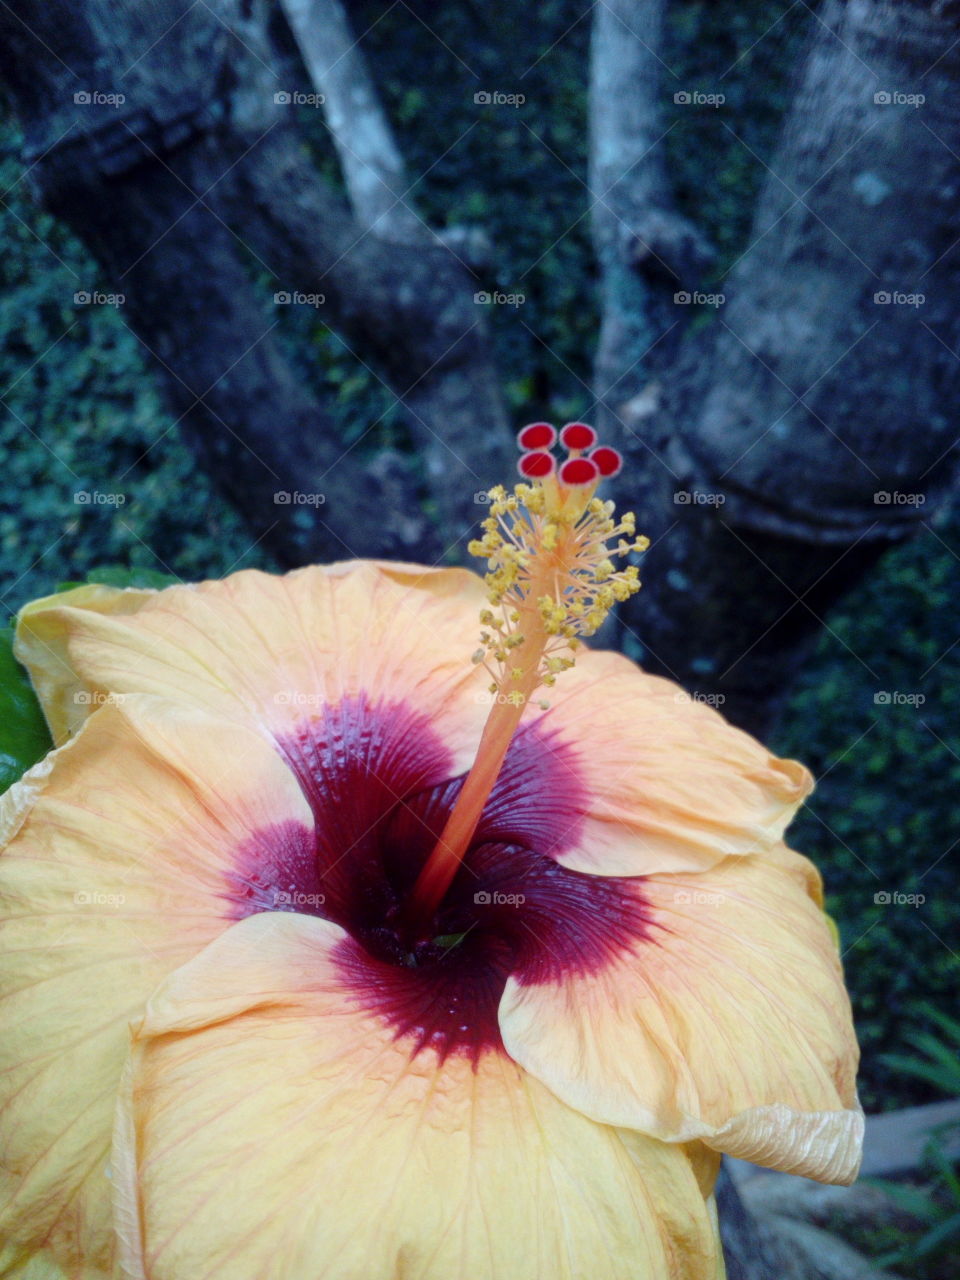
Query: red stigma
[577,435]
[579,471]
[607,461]
[538,435]
[535,466]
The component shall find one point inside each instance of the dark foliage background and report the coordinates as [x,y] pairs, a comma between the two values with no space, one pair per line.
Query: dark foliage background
[81,415]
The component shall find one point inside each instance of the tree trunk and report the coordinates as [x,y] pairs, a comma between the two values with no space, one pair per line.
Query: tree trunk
[185,187]
[775,453]
[812,424]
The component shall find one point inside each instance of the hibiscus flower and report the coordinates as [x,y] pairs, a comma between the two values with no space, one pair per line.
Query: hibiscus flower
[327,953]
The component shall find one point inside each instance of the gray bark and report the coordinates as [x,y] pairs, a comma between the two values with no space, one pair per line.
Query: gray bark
[201,166]
[369,158]
[778,426]
[802,400]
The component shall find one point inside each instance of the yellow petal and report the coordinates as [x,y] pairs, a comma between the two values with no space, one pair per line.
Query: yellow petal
[726,1022]
[122,867]
[65,700]
[668,784]
[271,1125]
[269,651]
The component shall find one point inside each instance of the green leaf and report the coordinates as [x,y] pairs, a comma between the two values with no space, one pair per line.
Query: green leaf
[24,737]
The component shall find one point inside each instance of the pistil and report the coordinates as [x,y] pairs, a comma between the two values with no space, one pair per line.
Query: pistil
[551,579]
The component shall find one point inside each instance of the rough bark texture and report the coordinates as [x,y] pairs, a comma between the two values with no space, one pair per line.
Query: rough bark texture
[646,250]
[196,181]
[809,395]
[371,163]
[801,401]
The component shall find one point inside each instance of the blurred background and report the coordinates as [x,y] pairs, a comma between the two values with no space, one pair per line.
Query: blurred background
[106,462]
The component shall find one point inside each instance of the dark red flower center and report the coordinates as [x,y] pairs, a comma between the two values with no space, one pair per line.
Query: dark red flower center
[379,783]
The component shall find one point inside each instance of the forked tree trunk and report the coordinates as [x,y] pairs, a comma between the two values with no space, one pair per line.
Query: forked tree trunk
[756,445]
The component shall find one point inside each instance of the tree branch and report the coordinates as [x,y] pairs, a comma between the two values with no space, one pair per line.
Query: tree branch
[369,158]
[646,250]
